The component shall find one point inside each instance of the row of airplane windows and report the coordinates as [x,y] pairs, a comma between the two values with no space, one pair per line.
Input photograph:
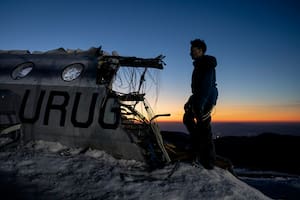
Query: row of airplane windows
[69,73]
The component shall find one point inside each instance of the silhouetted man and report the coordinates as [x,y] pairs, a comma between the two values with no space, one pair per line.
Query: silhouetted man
[200,104]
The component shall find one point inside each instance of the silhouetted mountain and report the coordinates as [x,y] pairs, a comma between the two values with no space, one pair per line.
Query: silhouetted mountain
[267,151]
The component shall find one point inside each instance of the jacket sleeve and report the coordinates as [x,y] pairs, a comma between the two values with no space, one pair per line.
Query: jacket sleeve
[205,86]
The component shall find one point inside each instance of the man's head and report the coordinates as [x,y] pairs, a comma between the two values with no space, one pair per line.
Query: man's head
[198,48]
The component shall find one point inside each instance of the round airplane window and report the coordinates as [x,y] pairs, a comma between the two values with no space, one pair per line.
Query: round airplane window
[22,70]
[72,72]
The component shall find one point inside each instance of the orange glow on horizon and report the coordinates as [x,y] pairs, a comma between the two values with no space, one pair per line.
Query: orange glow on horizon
[244,114]
[236,121]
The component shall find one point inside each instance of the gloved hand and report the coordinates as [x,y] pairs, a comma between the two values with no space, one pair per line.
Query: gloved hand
[194,106]
[198,109]
[197,106]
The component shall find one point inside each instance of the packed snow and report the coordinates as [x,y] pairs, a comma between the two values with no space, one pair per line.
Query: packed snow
[48,170]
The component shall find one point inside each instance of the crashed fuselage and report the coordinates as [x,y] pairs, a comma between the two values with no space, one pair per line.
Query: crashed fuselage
[67,97]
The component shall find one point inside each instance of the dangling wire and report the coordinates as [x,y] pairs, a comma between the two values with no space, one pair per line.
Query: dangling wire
[131,80]
[142,79]
[155,79]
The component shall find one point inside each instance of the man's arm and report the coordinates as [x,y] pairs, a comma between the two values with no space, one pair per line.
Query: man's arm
[206,84]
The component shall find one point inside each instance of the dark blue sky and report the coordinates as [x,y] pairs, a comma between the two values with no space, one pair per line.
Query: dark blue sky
[256,43]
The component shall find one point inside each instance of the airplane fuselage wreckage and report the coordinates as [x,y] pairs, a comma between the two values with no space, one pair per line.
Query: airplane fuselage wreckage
[68,96]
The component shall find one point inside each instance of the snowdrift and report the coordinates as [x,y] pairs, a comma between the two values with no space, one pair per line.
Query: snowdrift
[47,170]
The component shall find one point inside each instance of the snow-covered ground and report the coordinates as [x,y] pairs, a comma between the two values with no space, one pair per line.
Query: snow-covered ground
[47,170]
[277,185]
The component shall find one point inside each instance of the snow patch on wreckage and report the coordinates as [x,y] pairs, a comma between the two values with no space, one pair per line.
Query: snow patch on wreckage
[70,96]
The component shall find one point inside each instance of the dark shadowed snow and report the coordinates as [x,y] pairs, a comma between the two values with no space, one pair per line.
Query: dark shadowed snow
[46,170]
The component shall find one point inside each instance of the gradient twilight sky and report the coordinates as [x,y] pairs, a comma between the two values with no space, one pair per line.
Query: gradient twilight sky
[256,43]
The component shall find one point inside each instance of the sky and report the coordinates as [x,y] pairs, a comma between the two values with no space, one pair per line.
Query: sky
[256,43]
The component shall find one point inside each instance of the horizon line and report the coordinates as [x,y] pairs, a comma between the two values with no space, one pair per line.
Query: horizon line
[233,121]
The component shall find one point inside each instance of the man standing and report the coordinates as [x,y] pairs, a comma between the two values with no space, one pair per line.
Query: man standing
[204,96]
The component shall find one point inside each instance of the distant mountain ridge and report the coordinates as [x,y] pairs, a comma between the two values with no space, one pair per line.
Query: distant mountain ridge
[266,151]
[223,129]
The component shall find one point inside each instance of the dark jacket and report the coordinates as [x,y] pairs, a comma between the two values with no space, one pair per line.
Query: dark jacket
[205,92]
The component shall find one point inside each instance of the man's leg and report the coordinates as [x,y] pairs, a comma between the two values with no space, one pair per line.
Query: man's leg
[189,122]
[206,153]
